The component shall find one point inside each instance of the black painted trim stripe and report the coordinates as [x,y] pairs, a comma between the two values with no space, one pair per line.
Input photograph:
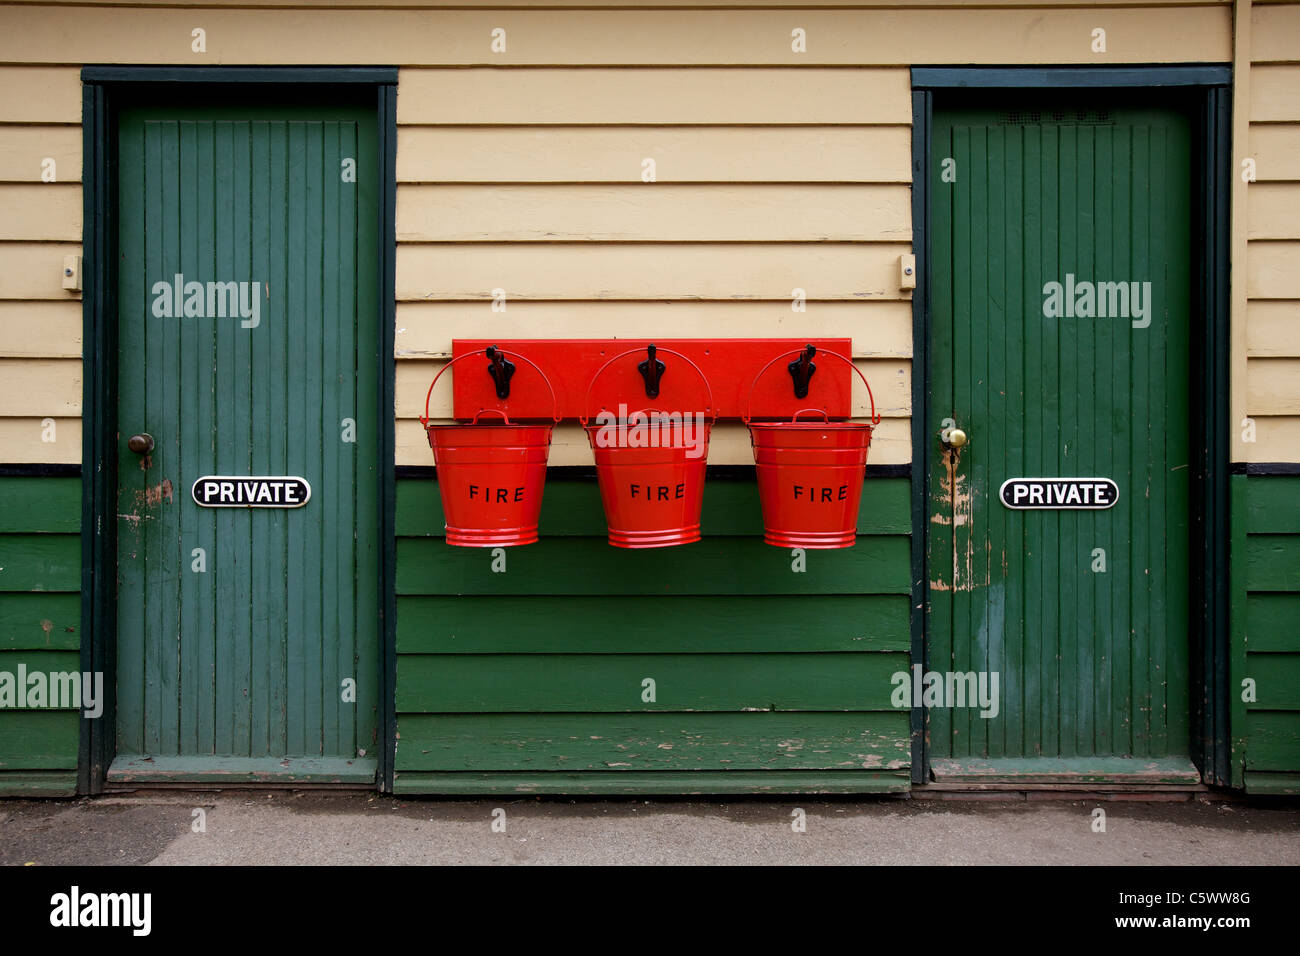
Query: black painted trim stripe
[240,74]
[922,448]
[889,471]
[99,390]
[1089,77]
[37,470]
[1209,599]
[1262,468]
[711,473]
[386,108]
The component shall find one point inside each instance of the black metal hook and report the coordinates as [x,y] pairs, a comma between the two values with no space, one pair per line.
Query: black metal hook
[802,369]
[500,370]
[651,369]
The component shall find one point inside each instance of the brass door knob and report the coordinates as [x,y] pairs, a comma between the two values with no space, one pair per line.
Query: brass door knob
[951,435]
[141,444]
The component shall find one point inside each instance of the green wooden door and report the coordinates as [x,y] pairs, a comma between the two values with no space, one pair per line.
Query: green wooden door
[1082,614]
[248,338]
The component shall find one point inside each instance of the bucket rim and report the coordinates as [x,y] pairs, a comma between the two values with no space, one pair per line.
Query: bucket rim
[810,426]
[497,426]
[591,429]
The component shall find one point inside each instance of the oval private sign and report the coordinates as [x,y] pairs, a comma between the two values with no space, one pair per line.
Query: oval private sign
[250,491]
[1059,493]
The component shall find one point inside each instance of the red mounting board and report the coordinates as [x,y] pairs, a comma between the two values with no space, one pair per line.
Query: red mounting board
[729,365]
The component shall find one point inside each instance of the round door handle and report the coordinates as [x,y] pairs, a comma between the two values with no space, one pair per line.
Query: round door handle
[950,435]
[141,444]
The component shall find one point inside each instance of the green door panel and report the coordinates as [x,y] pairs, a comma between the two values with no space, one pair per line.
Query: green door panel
[238,627]
[1092,663]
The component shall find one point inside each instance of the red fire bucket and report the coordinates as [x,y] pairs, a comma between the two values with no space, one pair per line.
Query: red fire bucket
[650,468]
[490,477]
[810,474]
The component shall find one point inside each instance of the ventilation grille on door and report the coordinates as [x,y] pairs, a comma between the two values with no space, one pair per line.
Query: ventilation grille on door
[1065,117]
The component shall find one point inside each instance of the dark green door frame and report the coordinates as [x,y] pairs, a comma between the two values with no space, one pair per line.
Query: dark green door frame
[106,89]
[1211,84]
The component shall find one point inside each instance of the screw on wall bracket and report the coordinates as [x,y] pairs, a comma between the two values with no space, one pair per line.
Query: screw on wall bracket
[802,370]
[651,370]
[500,370]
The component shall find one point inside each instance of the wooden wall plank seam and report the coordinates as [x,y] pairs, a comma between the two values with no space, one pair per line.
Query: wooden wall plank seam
[1052,34]
[1266,641]
[40,607]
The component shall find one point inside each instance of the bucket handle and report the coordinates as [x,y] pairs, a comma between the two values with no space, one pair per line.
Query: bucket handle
[650,408]
[749,398]
[582,412]
[490,411]
[555,402]
[816,411]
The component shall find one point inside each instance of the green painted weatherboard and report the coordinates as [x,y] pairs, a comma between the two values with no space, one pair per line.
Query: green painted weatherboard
[40,621]
[766,678]
[40,627]
[717,566]
[672,741]
[1266,569]
[650,624]
[571,507]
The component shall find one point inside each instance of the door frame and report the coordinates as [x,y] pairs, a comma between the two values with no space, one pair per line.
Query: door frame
[1208,592]
[105,90]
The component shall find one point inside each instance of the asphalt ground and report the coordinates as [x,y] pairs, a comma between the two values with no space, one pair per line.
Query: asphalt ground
[312,827]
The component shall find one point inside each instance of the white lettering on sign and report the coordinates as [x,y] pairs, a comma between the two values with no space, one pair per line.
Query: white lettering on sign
[250,491]
[1059,493]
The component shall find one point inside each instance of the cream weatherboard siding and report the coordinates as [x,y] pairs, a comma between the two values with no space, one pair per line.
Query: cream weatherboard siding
[1272,224]
[757,193]
[40,223]
[522,171]
[706,35]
